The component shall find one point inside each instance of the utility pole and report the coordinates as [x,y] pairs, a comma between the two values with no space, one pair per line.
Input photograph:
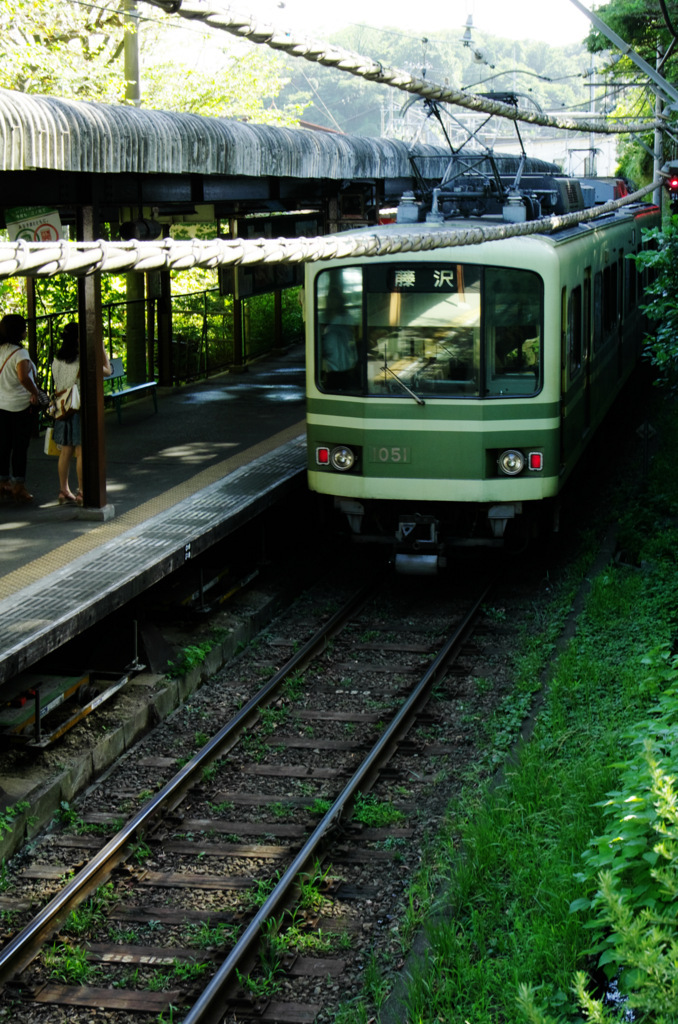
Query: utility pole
[135,312]
[658,147]
[131,51]
[591,169]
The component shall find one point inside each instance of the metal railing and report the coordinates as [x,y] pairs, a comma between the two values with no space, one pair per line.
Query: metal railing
[202,333]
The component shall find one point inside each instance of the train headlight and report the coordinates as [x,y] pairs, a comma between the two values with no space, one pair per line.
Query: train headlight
[511,462]
[342,458]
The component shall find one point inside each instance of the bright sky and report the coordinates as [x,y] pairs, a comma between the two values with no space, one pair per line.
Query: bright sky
[557,22]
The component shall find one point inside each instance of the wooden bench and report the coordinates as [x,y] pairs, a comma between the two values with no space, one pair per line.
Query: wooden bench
[118,388]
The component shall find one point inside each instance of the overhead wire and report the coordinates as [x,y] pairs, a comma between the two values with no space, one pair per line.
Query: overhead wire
[320,100]
[245,27]
[44,259]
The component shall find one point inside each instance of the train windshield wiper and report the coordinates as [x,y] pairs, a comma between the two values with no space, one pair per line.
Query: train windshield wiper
[387,369]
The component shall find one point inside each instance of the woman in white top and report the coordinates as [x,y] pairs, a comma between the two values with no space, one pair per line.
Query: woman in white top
[66,373]
[18,392]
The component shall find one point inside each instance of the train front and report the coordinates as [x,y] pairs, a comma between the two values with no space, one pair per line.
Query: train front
[432,413]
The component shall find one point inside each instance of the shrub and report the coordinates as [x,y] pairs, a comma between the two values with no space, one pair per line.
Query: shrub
[631,870]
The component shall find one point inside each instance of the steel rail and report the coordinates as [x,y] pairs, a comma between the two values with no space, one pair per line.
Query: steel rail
[24,946]
[209,1007]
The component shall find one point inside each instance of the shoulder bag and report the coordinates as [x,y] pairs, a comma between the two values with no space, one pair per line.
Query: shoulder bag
[64,403]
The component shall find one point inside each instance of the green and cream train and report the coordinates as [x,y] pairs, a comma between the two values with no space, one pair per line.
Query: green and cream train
[450,393]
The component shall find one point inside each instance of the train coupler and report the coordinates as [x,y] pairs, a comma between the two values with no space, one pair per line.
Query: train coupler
[418,548]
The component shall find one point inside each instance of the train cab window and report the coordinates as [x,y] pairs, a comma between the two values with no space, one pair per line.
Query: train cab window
[423,330]
[513,331]
[339,300]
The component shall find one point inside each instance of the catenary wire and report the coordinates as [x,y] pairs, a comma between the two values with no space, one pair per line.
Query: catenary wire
[245,27]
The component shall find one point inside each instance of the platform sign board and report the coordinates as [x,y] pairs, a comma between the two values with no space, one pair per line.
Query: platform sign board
[33,224]
[246,281]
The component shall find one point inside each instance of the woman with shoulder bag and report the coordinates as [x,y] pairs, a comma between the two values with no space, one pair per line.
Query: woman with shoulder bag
[66,376]
[67,434]
[18,393]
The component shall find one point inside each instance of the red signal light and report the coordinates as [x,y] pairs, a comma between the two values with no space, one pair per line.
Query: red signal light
[322,456]
[670,171]
[535,461]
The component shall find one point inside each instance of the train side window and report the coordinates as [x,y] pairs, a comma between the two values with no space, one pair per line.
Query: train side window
[631,280]
[512,306]
[574,332]
[597,310]
[339,301]
[610,300]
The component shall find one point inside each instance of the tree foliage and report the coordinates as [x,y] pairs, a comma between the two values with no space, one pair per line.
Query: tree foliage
[644,24]
[662,260]
[219,77]
[76,51]
[62,49]
[649,27]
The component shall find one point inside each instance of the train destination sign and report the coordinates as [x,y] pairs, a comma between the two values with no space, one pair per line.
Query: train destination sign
[444,278]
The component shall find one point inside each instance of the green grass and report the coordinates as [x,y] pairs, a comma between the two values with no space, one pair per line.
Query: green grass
[188,658]
[505,947]
[92,914]
[511,895]
[205,935]
[10,813]
[374,813]
[68,964]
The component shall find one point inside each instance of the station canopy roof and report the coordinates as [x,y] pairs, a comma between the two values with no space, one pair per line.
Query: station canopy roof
[48,133]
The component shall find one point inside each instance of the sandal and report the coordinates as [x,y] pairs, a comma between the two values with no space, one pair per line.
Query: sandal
[66,498]
[78,498]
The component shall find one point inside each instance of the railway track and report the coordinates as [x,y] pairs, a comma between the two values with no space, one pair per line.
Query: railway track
[239,888]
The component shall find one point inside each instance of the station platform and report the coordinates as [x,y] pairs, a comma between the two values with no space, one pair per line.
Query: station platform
[214,455]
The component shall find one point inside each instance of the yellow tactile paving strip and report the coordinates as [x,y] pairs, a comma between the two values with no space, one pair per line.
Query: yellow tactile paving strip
[36,570]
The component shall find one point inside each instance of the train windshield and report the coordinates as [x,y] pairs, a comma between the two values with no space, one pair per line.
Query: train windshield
[429,329]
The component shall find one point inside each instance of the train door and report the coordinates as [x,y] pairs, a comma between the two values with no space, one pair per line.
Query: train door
[572,387]
[619,275]
[586,348]
[576,397]
[631,325]
[563,373]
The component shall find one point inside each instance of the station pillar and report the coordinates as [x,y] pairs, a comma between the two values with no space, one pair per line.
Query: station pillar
[277,320]
[91,383]
[238,334]
[135,334]
[164,299]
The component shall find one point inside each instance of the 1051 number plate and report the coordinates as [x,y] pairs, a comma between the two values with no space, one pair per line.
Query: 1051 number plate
[389,453]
